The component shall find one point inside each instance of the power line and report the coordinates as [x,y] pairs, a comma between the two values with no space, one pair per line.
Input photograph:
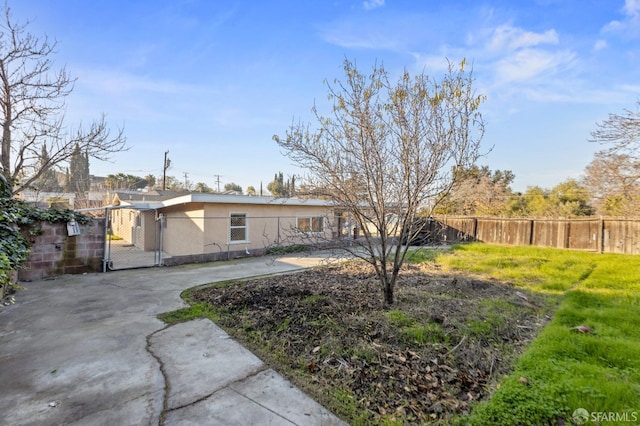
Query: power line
[218,181]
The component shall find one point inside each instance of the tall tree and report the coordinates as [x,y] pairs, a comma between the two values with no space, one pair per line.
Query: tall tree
[280,188]
[614,181]
[479,191]
[203,187]
[125,181]
[151,180]
[620,133]
[79,179]
[32,106]
[570,198]
[386,150]
[614,174]
[233,187]
[566,199]
[48,180]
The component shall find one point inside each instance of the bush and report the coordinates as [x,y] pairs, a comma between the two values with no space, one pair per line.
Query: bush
[14,214]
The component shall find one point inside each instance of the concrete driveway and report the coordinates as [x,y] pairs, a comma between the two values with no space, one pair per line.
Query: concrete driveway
[89,350]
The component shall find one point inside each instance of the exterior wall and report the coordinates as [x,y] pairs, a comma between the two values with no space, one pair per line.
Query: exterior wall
[182,230]
[123,223]
[137,227]
[146,231]
[55,253]
[204,228]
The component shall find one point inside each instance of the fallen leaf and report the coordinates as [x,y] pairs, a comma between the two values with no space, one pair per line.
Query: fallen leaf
[583,329]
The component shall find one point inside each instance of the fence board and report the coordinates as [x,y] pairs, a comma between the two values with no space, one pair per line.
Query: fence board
[622,236]
[606,235]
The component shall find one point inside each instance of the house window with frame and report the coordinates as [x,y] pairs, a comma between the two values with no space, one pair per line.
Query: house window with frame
[238,227]
[310,224]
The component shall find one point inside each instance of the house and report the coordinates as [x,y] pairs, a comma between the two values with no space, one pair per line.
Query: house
[204,226]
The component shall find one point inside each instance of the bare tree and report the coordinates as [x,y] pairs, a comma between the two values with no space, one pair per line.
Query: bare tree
[621,132]
[614,174]
[479,191]
[614,181]
[388,150]
[32,104]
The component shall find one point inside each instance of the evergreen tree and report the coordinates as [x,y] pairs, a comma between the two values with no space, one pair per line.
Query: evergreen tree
[48,181]
[281,189]
[232,186]
[78,179]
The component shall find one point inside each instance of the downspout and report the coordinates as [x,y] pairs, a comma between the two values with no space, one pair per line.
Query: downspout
[160,240]
[104,246]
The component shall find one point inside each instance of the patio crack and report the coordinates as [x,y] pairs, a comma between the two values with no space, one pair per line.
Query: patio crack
[163,371]
[263,367]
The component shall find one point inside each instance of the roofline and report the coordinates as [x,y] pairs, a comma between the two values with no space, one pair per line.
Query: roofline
[228,199]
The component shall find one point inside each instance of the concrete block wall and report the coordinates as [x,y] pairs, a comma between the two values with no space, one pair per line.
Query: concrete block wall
[54,252]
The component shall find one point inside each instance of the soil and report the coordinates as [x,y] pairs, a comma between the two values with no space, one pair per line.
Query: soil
[442,345]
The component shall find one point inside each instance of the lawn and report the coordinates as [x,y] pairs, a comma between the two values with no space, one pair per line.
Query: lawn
[564,368]
[478,335]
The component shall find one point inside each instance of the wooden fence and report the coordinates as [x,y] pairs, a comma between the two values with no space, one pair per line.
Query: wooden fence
[603,235]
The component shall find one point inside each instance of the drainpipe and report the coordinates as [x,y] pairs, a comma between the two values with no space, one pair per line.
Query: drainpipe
[160,239]
[104,247]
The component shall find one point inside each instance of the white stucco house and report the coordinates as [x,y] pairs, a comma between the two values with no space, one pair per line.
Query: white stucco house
[217,225]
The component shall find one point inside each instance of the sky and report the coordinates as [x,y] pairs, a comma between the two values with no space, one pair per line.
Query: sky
[211,81]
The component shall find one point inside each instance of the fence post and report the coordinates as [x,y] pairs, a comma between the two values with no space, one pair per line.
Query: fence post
[600,241]
[531,230]
[475,229]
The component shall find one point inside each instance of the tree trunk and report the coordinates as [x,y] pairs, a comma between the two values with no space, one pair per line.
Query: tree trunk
[388,293]
[6,145]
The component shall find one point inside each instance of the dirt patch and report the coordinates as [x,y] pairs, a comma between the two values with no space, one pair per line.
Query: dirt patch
[436,350]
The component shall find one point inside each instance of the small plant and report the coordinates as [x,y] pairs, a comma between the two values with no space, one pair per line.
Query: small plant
[314,298]
[280,250]
[200,310]
[399,318]
[429,333]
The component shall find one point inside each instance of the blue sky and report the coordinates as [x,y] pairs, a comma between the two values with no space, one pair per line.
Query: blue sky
[212,81]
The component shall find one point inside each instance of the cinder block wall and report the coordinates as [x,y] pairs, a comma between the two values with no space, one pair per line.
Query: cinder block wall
[53,252]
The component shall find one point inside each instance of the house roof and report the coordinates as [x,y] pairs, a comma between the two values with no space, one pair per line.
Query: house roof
[224,199]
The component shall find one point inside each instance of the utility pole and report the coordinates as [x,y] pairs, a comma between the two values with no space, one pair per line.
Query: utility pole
[218,181]
[167,163]
[186,182]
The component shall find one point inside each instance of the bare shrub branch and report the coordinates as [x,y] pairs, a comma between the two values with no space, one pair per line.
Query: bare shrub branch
[388,150]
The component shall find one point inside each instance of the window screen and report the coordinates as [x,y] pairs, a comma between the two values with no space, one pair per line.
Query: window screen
[238,227]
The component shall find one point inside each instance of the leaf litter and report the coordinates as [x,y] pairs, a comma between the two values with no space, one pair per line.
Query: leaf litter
[443,344]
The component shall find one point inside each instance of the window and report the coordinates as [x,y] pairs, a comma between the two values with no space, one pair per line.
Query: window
[238,227]
[310,224]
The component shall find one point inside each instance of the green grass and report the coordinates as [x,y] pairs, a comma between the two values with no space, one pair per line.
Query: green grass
[200,310]
[563,369]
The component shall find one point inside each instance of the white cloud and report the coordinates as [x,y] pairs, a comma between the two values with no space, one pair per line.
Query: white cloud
[600,45]
[629,25]
[528,64]
[372,4]
[117,83]
[512,38]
